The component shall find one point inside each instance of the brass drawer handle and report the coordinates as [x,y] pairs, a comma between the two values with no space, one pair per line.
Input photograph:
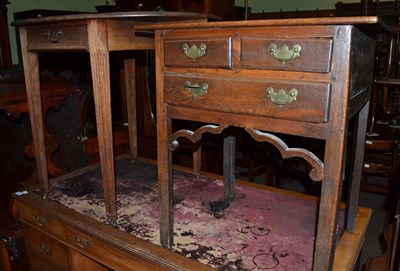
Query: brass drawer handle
[53,36]
[195,89]
[194,52]
[82,242]
[281,97]
[41,221]
[284,54]
[45,249]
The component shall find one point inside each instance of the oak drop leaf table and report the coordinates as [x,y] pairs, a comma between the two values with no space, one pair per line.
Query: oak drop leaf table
[98,34]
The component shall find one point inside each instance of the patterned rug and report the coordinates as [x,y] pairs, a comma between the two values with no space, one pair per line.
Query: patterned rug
[260,230]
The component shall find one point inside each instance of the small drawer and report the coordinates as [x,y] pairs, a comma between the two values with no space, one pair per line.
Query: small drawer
[57,37]
[310,55]
[300,101]
[40,245]
[199,53]
[43,222]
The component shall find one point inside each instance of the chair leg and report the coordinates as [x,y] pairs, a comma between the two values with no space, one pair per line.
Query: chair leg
[12,251]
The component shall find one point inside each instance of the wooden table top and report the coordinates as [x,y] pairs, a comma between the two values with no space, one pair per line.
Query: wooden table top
[140,16]
[356,20]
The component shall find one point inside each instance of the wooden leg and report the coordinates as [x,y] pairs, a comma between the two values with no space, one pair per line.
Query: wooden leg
[5,261]
[32,82]
[99,60]
[229,169]
[329,202]
[165,183]
[130,86]
[355,179]
[197,160]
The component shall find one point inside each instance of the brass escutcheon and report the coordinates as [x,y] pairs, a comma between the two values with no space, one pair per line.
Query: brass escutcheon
[194,52]
[41,221]
[45,249]
[284,54]
[195,89]
[82,242]
[53,36]
[281,97]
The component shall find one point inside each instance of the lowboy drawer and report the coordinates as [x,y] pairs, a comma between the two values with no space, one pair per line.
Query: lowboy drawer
[57,37]
[42,221]
[208,52]
[312,55]
[42,246]
[300,101]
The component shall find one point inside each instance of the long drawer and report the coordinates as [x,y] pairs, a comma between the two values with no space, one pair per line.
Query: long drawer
[47,249]
[105,254]
[301,101]
[42,221]
[56,37]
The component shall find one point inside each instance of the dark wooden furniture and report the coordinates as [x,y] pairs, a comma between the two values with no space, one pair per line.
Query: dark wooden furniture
[224,9]
[386,91]
[17,152]
[316,13]
[304,77]
[390,258]
[98,34]
[380,159]
[395,257]
[60,238]
[5,51]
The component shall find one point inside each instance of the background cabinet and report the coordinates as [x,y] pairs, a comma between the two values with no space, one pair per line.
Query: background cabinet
[5,53]
[222,8]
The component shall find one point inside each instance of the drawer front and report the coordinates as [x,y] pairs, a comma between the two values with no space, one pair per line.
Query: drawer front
[42,246]
[39,264]
[208,52]
[42,222]
[57,37]
[313,55]
[300,101]
[109,255]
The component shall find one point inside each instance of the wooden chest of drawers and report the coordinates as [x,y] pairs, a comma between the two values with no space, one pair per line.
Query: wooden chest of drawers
[255,91]
[305,78]
[66,231]
[255,72]
[58,239]
[45,249]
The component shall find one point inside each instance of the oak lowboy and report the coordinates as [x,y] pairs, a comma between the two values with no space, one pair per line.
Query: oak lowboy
[303,77]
